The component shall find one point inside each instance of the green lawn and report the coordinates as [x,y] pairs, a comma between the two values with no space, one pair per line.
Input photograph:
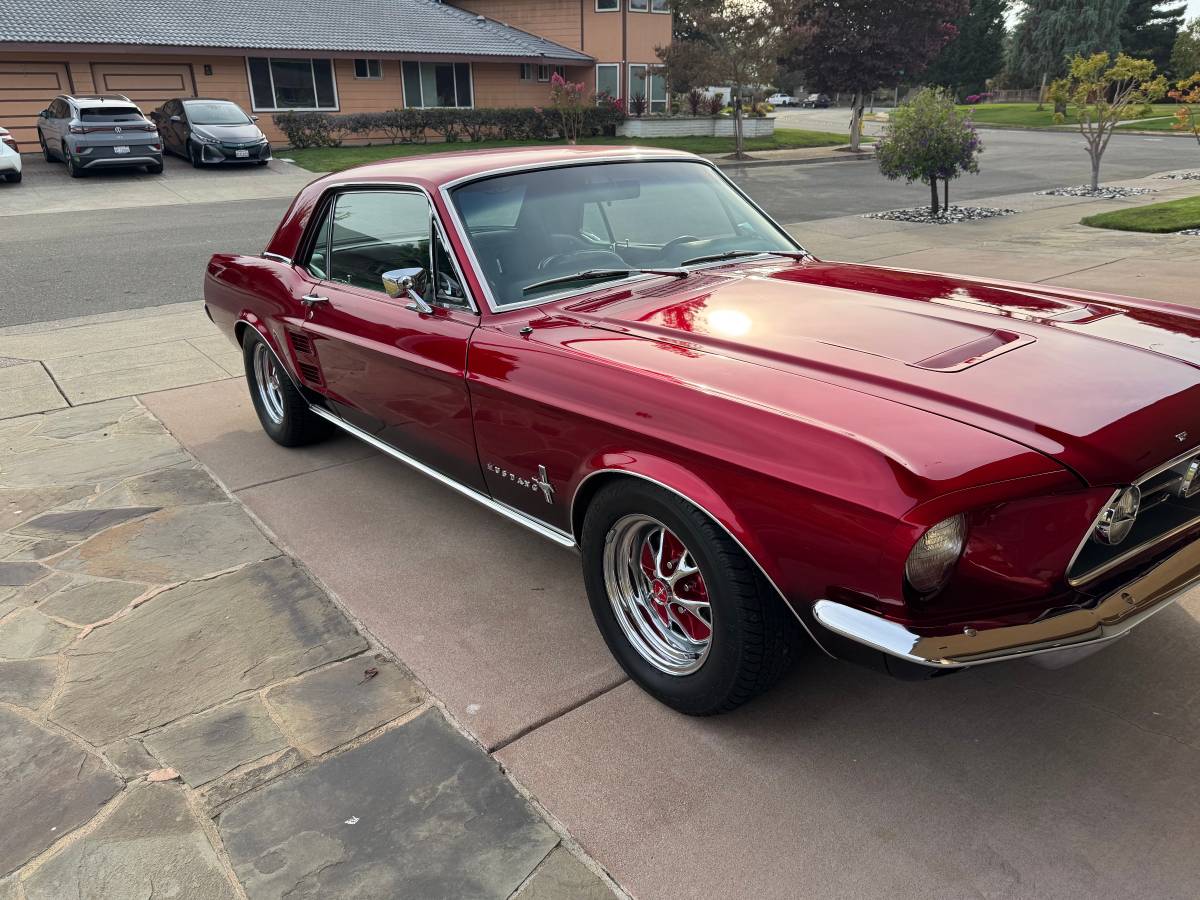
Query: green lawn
[334,159]
[1027,114]
[1163,124]
[1157,218]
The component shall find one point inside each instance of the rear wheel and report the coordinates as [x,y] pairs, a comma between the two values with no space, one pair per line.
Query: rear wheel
[282,411]
[72,168]
[155,169]
[681,606]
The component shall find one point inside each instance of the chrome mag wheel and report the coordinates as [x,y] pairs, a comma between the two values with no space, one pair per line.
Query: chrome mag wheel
[266,378]
[658,594]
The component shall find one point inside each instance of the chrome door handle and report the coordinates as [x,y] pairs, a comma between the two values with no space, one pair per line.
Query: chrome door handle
[311,300]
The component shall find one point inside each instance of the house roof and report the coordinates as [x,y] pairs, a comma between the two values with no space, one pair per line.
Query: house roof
[424,27]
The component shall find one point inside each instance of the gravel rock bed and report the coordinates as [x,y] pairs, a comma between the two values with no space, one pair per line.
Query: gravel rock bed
[951,216]
[1102,193]
[1182,176]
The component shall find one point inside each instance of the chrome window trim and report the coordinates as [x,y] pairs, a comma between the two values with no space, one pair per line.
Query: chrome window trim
[460,227]
[750,556]
[1125,556]
[350,186]
[278,257]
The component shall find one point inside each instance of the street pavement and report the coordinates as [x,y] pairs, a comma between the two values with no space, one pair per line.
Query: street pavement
[189,615]
[132,240]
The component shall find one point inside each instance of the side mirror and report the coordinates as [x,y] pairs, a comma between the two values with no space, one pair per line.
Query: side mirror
[408,283]
[254,118]
[44,114]
[176,119]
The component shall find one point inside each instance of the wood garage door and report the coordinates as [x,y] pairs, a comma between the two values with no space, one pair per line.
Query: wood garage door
[26,88]
[148,85]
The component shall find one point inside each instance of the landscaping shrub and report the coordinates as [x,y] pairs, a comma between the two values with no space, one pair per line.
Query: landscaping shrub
[716,105]
[695,99]
[412,126]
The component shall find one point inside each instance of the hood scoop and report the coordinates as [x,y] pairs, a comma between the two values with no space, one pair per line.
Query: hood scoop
[973,352]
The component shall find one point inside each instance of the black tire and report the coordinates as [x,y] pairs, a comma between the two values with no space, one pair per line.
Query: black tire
[13,177]
[194,156]
[155,170]
[46,154]
[263,162]
[297,426]
[753,636]
[73,170]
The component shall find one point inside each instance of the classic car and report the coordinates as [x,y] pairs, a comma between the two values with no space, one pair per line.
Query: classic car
[754,451]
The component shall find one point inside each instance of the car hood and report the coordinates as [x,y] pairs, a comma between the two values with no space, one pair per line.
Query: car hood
[248,132]
[1108,386]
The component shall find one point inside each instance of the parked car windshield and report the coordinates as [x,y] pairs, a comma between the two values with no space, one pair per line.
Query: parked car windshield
[217,112]
[537,226]
[111,113]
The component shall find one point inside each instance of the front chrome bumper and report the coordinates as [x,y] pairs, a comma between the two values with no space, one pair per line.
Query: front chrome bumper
[1111,618]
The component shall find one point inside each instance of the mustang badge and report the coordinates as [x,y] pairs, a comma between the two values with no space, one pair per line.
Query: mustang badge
[541,483]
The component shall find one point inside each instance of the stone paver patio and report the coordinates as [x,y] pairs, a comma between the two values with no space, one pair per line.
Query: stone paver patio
[185,713]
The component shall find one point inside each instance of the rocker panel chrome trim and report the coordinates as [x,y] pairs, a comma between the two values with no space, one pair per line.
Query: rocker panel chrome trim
[553,534]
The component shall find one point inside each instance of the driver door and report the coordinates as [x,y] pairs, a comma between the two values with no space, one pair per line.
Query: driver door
[390,369]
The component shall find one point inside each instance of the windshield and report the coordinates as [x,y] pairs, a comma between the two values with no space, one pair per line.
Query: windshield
[535,227]
[217,112]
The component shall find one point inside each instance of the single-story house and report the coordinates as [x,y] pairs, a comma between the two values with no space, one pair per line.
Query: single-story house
[346,56]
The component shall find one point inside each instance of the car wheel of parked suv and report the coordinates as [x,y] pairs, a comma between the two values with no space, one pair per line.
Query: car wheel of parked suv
[73,170]
[282,409]
[155,170]
[46,154]
[12,177]
[681,606]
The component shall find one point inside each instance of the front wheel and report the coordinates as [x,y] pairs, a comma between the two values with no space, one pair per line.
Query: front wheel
[195,156]
[46,154]
[681,606]
[13,177]
[282,411]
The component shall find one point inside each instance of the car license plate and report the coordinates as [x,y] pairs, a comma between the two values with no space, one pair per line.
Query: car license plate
[242,154]
[120,149]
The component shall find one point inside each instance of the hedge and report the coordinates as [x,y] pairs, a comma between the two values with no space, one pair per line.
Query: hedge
[413,126]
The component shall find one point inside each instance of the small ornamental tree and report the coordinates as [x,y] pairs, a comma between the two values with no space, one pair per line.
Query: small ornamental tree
[1103,90]
[928,140]
[1187,92]
[567,99]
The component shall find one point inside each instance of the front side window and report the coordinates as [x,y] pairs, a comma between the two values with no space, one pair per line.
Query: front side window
[430,84]
[215,112]
[365,234]
[291,83]
[534,226]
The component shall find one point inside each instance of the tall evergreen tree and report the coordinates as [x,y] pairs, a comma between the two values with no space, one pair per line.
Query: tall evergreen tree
[1185,58]
[1149,28]
[1051,32]
[975,54]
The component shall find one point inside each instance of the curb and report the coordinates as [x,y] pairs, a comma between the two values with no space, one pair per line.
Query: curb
[1071,129]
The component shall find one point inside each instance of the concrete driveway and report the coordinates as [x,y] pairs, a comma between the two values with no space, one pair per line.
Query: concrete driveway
[1012,781]
[46,187]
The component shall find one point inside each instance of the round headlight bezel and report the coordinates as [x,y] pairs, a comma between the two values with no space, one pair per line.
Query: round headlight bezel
[935,554]
[1117,519]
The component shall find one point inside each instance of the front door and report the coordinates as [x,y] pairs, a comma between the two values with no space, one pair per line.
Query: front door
[389,368]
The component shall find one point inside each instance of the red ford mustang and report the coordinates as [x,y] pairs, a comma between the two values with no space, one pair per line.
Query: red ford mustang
[617,349]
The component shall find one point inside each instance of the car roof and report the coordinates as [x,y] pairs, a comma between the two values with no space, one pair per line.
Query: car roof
[93,100]
[441,168]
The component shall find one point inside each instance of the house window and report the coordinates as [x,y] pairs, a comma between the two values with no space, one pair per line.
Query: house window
[608,79]
[527,71]
[648,83]
[608,5]
[291,83]
[368,68]
[659,6]
[639,5]
[544,72]
[430,84]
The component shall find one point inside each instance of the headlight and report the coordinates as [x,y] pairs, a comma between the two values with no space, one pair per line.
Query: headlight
[935,554]
[204,138]
[1117,519]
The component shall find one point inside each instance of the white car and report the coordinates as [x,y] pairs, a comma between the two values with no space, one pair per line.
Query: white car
[781,100]
[10,157]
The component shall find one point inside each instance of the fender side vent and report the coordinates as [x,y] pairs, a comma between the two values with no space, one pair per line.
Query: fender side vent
[309,372]
[301,343]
